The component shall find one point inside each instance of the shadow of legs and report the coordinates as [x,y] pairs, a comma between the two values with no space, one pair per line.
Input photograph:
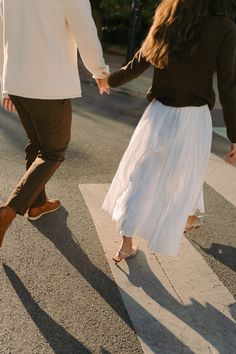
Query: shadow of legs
[63,239]
[59,339]
[206,320]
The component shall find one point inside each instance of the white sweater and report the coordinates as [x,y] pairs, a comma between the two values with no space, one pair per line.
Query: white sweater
[38,47]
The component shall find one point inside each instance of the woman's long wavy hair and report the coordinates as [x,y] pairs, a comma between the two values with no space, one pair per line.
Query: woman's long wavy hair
[176,23]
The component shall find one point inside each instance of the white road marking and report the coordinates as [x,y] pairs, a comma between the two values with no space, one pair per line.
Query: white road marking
[220,131]
[177,304]
[222,177]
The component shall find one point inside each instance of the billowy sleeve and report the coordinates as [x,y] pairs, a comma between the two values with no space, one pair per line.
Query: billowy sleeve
[79,17]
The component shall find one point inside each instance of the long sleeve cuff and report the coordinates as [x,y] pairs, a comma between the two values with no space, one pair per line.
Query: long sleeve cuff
[99,74]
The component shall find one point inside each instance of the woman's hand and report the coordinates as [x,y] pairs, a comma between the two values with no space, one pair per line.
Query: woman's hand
[103,84]
[8,105]
[231,156]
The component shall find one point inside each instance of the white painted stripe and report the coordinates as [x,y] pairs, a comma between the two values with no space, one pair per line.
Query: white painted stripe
[177,304]
[222,177]
[220,131]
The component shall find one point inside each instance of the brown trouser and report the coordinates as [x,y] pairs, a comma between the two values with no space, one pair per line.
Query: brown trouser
[48,125]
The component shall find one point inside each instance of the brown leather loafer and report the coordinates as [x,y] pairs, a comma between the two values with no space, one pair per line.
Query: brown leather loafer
[49,207]
[7,214]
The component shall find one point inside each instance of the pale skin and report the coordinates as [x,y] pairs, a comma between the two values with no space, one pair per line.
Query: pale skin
[8,105]
[103,84]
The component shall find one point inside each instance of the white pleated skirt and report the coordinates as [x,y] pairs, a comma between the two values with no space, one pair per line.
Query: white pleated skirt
[159,181]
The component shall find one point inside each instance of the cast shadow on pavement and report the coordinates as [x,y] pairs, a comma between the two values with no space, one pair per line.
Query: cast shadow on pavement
[58,338]
[68,246]
[127,110]
[222,253]
[208,321]
[104,351]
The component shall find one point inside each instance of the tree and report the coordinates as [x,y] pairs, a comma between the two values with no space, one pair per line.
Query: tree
[113,5]
[108,10]
[148,11]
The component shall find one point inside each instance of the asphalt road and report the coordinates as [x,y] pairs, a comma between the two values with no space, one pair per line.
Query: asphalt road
[57,293]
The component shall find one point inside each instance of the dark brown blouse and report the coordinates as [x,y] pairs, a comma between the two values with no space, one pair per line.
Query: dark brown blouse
[188,80]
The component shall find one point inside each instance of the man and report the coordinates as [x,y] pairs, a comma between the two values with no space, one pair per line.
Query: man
[39,76]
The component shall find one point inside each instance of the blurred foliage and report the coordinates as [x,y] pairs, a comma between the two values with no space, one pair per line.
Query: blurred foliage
[115,16]
[122,7]
[149,10]
[113,5]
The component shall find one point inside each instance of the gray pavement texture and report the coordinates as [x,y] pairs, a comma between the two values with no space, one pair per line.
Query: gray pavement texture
[57,291]
[216,240]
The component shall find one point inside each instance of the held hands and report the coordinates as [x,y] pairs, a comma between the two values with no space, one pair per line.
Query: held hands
[231,156]
[8,105]
[103,84]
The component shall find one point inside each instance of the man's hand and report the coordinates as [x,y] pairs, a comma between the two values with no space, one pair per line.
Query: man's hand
[103,84]
[8,105]
[231,156]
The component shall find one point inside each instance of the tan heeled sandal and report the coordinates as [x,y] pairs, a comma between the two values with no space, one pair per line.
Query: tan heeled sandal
[195,225]
[123,255]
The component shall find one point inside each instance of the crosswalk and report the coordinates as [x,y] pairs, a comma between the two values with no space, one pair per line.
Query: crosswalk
[220,131]
[222,177]
[177,304]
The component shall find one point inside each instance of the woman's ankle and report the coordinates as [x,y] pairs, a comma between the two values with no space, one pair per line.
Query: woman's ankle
[127,243]
[191,219]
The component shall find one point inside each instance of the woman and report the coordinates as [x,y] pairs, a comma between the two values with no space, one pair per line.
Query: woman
[158,187]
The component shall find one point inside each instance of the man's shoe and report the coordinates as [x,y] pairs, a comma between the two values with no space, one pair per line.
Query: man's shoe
[49,207]
[7,214]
